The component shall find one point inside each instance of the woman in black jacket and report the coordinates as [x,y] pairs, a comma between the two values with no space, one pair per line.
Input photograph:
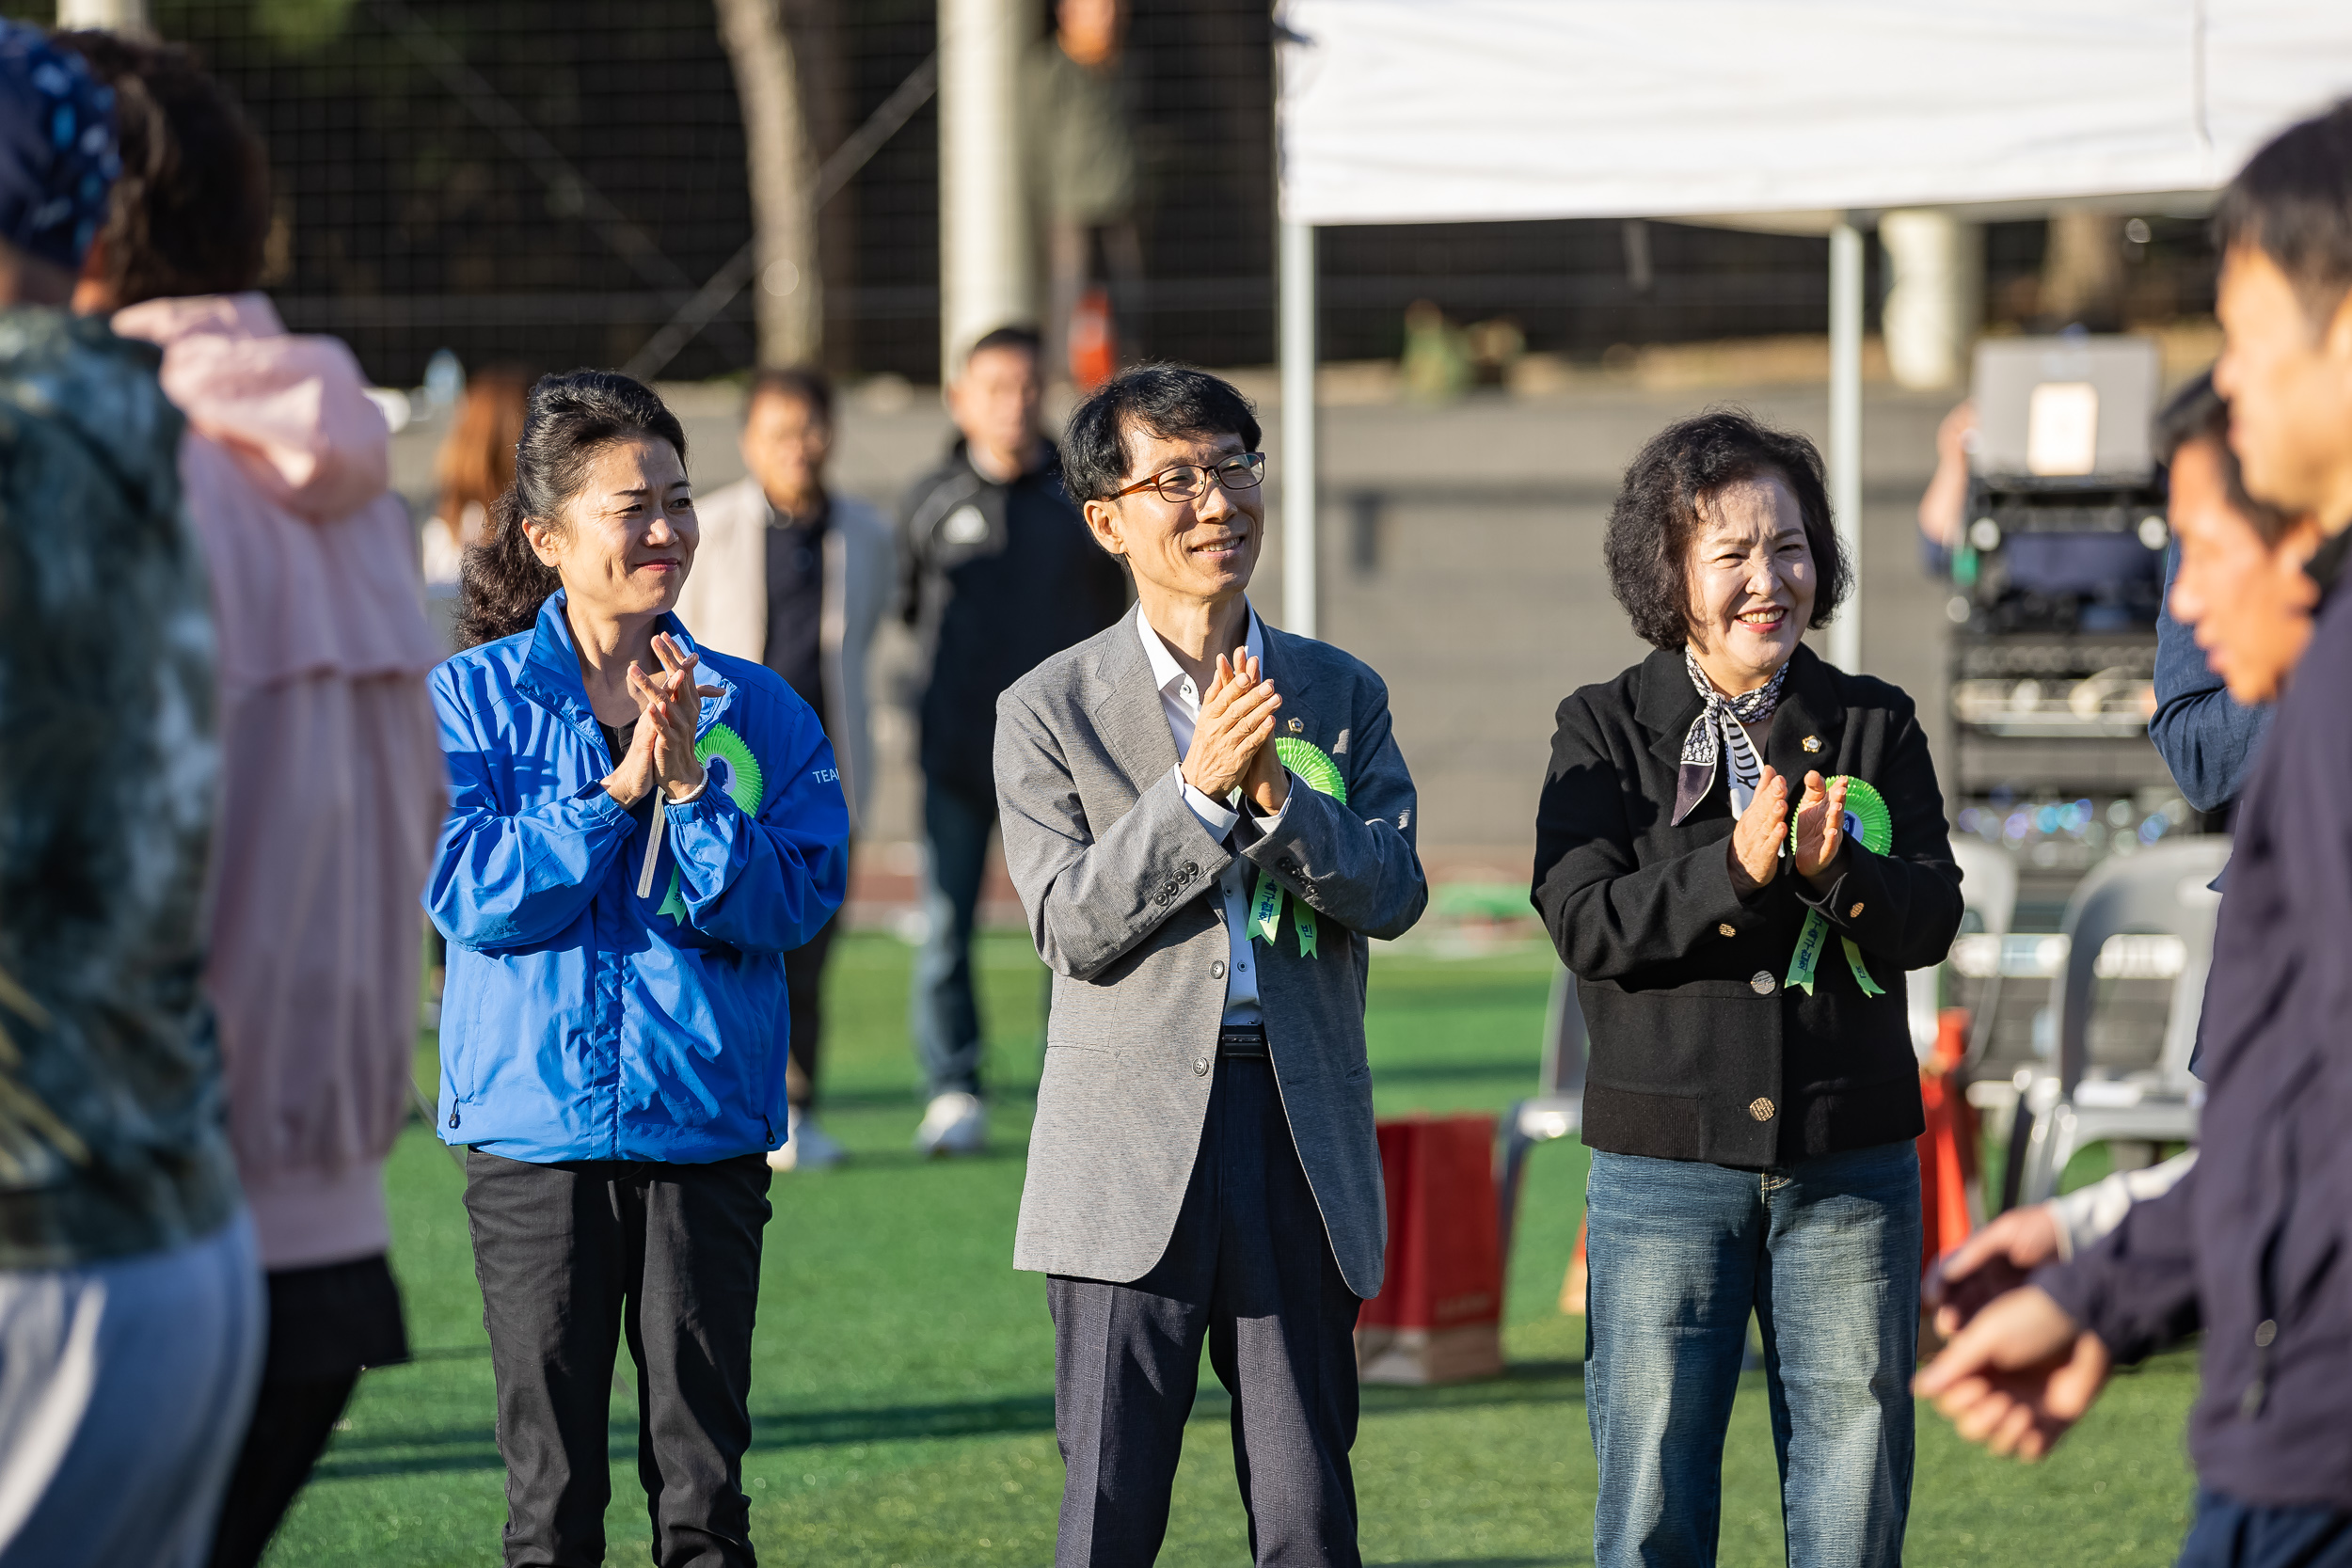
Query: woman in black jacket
[1739,955]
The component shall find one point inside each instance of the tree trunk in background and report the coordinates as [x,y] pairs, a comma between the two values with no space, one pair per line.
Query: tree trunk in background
[2082,270]
[787,288]
[827,112]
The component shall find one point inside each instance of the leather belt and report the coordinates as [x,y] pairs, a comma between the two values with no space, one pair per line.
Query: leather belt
[1245,1042]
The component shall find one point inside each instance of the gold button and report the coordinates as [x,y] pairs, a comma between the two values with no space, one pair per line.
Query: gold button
[1760,1108]
[1727,928]
[1761,982]
[1854,913]
[1298,726]
[1811,743]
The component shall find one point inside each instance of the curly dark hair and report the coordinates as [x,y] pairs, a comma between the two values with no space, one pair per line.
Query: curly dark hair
[501,582]
[191,214]
[1647,546]
[1168,400]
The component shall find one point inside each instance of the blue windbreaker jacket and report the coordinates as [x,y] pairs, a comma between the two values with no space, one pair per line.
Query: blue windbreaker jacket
[580,1021]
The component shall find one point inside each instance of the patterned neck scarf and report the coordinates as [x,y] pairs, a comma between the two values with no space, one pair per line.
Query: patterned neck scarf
[1718,729]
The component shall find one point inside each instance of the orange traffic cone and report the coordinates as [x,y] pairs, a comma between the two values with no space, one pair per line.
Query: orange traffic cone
[1949,1189]
[1572,1289]
[1093,341]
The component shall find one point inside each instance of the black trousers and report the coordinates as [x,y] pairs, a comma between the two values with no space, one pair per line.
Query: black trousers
[1249,1272]
[571,1257]
[327,1323]
[804,989]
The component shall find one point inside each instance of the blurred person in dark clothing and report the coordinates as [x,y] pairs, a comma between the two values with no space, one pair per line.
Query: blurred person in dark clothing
[998,575]
[796,577]
[332,780]
[2251,1246]
[1082,169]
[131,1304]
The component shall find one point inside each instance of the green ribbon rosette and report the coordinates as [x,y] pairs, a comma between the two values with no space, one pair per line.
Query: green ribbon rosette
[1322,775]
[1868,823]
[737,772]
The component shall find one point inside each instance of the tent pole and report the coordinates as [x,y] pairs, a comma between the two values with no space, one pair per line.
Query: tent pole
[1845,430]
[1297,350]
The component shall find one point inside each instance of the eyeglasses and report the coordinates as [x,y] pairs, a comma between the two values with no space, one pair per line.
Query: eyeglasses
[1190,480]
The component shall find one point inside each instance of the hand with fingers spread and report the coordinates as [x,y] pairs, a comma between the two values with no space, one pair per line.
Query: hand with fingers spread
[1820,828]
[1757,837]
[2018,1376]
[670,705]
[1236,721]
[1993,1261]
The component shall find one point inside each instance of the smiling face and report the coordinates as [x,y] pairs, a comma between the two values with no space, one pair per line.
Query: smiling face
[1752,582]
[2289,382]
[626,536]
[2251,603]
[1202,550]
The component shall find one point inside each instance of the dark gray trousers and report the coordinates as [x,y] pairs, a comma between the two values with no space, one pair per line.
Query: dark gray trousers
[571,1257]
[1249,1270]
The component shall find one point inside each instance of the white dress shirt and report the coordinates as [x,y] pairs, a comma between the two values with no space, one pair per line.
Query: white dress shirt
[1181,701]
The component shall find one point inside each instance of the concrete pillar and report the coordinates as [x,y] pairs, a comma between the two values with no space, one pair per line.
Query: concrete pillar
[113,16]
[986,275]
[1297,246]
[1845,431]
[1937,302]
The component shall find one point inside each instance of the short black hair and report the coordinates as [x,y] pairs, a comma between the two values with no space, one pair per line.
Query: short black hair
[1647,546]
[191,214]
[2198,413]
[805,382]
[1171,402]
[1023,339]
[2293,202]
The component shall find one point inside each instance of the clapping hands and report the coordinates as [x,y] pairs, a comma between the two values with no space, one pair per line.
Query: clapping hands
[662,750]
[1232,744]
[1763,827]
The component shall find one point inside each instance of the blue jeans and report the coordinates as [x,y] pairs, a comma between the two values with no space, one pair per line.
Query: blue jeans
[1826,1255]
[946,1015]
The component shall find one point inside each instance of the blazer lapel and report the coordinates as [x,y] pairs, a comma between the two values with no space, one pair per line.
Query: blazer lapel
[1809,711]
[1126,709]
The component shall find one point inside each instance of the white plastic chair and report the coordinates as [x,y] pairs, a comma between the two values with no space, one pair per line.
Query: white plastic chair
[2160,891]
[1557,1112]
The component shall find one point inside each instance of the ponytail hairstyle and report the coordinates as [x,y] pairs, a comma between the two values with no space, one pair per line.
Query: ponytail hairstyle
[501,582]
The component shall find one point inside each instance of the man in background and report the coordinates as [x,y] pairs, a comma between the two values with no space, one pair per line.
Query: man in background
[131,1298]
[1082,177]
[1000,575]
[792,575]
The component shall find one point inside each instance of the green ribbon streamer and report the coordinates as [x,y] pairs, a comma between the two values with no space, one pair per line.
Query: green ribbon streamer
[1321,774]
[1868,823]
[746,784]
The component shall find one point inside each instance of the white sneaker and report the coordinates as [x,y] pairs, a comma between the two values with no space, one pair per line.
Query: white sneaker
[953,1123]
[807,1146]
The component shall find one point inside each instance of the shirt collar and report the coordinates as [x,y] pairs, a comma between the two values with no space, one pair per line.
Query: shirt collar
[1167,675]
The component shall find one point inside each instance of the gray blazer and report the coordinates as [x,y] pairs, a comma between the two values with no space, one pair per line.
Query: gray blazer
[1119,880]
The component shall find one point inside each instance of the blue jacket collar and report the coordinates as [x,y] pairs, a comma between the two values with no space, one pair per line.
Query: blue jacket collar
[550,672]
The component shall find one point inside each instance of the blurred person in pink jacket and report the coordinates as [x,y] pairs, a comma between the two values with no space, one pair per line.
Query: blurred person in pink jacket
[332,780]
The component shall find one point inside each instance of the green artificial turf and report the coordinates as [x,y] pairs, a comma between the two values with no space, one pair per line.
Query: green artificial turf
[902,1388]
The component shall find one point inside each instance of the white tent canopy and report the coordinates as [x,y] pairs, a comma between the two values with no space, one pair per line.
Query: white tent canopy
[1404,111]
[1412,111]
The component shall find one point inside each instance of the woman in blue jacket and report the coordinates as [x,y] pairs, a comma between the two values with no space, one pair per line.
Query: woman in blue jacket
[638,832]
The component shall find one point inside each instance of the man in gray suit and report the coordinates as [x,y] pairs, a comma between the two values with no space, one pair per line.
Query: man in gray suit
[1205,818]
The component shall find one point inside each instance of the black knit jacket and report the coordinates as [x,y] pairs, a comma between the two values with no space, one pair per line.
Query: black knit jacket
[1699,1052]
